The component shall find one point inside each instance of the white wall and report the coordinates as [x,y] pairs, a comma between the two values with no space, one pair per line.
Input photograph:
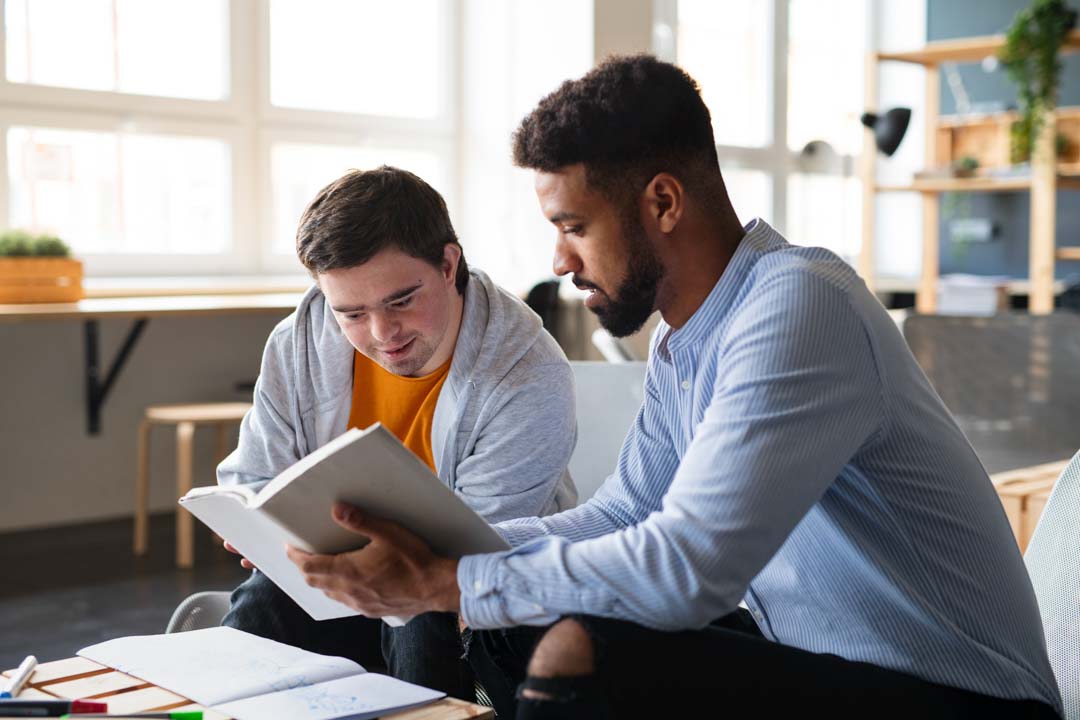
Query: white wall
[51,471]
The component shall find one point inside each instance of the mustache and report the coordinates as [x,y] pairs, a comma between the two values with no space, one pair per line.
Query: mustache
[582,284]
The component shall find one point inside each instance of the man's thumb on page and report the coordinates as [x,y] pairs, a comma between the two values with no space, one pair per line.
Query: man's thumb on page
[353,518]
[348,516]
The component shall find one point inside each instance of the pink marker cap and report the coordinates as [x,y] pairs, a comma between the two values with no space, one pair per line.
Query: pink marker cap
[88,706]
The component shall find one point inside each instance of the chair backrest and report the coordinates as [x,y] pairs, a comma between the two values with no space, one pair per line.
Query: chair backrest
[199,611]
[1012,381]
[1052,563]
[609,396]
[612,348]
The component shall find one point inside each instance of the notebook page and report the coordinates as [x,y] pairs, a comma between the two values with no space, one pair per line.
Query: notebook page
[218,665]
[359,697]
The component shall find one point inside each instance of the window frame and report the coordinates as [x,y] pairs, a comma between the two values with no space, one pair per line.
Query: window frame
[247,122]
[774,158]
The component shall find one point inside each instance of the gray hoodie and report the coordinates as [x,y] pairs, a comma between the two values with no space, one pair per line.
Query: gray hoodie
[504,423]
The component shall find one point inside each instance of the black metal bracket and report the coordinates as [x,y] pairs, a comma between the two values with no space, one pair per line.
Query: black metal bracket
[97,391]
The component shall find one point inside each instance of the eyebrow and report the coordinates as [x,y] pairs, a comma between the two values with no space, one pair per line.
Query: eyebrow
[392,297]
[564,216]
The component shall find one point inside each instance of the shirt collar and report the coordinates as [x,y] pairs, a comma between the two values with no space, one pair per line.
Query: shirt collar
[758,235]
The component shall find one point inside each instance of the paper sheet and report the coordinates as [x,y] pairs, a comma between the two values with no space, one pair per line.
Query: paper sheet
[218,665]
[356,698]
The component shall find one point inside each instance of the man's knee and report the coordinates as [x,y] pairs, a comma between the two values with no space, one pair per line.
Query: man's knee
[566,650]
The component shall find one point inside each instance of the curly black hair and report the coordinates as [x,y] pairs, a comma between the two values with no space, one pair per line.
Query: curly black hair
[626,120]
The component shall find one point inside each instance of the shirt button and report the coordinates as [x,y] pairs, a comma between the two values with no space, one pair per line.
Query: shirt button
[685,384]
[477,586]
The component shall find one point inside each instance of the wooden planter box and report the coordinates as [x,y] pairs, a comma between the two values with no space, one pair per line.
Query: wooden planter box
[40,280]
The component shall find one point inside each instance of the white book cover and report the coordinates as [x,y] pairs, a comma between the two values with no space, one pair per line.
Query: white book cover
[370,469]
[249,677]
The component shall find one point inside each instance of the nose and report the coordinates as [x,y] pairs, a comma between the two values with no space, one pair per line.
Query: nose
[384,327]
[565,259]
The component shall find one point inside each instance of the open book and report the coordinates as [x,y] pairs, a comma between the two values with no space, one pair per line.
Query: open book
[248,677]
[370,469]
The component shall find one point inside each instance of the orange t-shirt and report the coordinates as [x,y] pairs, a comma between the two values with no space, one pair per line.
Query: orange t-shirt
[405,405]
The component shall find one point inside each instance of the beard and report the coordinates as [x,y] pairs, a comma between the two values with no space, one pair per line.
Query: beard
[635,298]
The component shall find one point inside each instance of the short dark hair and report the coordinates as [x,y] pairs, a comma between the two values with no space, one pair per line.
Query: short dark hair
[626,120]
[365,211]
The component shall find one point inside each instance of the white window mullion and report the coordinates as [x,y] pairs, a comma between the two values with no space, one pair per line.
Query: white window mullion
[780,167]
[248,172]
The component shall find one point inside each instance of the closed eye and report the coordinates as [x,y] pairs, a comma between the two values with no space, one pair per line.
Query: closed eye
[402,304]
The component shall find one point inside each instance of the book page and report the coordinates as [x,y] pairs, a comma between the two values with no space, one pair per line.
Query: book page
[262,541]
[218,665]
[364,696]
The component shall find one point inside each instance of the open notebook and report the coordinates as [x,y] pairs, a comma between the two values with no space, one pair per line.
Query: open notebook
[249,677]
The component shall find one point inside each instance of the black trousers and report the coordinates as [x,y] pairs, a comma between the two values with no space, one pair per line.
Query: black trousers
[727,669]
[426,651]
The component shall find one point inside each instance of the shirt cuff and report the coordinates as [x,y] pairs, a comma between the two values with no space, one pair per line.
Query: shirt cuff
[481,605]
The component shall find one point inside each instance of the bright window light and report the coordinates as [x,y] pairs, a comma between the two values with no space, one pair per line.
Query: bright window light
[825,211]
[825,73]
[300,170]
[114,193]
[372,57]
[725,46]
[146,47]
[750,192]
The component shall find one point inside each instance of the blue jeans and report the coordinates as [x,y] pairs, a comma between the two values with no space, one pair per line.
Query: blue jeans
[426,651]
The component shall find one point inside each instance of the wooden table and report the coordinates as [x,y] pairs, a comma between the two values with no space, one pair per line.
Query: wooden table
[139,310]
[79,678]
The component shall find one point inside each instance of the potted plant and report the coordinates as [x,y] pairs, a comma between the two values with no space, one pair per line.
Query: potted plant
[38,269]
[965,166]
[1031,61]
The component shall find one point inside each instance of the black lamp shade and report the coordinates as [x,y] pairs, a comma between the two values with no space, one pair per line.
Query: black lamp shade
[889,128]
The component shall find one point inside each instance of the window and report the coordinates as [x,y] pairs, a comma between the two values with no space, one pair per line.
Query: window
[726,47]
[776,76]
[107,192]
[189,136]
[128,46]
[502,229]
[359,64]
[299,170]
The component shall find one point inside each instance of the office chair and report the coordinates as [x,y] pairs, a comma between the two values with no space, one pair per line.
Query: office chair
[609,396]
[199,611]
[1055,575]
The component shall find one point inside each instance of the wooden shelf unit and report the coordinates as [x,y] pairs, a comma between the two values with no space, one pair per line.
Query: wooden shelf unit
[986,137]
[972,49]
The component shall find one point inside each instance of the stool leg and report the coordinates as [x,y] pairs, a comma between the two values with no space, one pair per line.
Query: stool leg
[142,486]
[185,530]
[222,448]
[220,452]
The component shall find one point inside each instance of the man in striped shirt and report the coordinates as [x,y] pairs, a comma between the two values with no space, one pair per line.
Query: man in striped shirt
[789,454]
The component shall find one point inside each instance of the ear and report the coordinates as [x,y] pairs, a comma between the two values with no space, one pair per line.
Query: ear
[665,200]
[451,259]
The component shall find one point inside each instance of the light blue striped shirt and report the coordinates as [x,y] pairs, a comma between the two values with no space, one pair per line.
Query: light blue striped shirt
[789,453]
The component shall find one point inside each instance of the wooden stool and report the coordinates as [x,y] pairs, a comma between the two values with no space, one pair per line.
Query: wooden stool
[186,417]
